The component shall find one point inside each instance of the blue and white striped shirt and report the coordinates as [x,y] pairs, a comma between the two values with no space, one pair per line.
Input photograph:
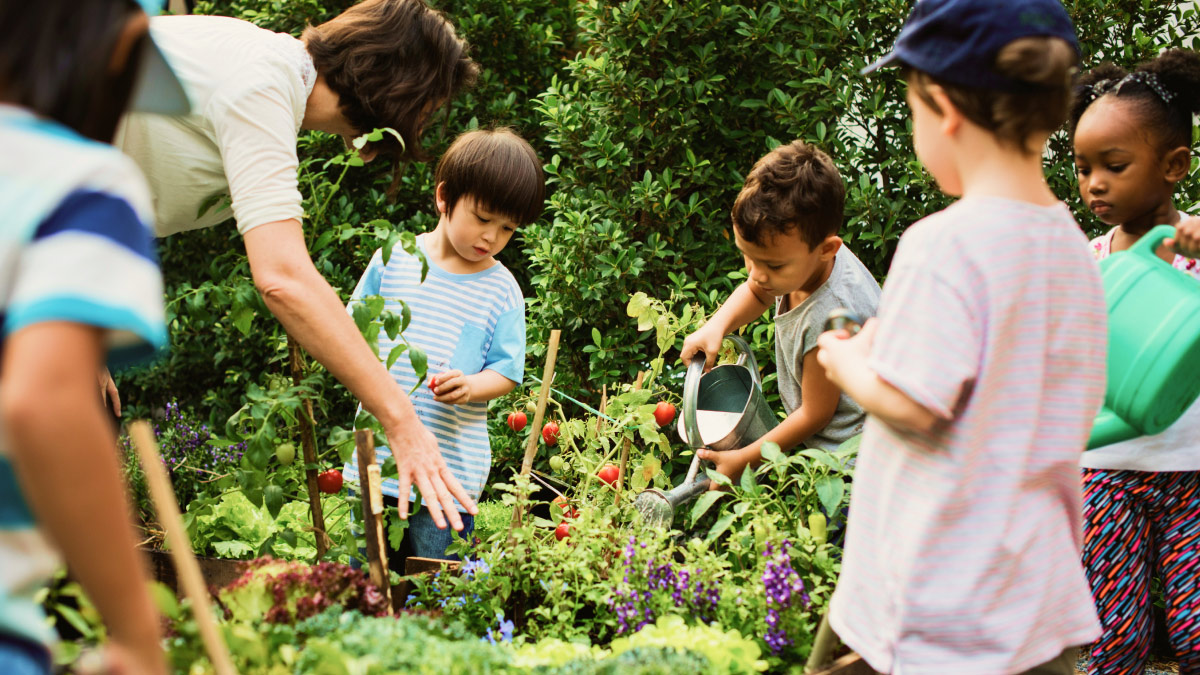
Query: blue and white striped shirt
[75,245]
[468,322]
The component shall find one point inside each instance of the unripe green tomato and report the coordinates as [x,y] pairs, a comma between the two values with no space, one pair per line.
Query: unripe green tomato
[817,526]
[557,463]
[531,407]
[285,453]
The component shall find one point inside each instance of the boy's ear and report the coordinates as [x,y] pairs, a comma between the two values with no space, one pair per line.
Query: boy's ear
[952,117]
[1177,163]
[439,198]
[829,247]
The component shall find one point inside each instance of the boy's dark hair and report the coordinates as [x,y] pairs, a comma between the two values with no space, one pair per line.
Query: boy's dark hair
[1165,91]
[793,187]
[1045,64]
[393,63]
[497,168]
[54,57]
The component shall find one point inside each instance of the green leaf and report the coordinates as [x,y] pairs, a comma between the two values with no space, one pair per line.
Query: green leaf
[748,483]
[824,458]
[396,528]
[395,354]
[704,503]
[718,477]
[273,499]
[830,491]
[771,452]
[420,363]
[243,317]
[720,526]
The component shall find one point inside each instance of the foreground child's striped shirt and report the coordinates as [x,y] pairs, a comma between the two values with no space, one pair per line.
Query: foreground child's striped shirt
[962,551]
[468,322]
[75,246]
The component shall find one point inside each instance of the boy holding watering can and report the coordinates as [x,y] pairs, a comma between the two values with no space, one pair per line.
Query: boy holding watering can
[983,372]
[785,222]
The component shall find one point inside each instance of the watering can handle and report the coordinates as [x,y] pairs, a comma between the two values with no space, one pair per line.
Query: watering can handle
[691,387]
[1149,243]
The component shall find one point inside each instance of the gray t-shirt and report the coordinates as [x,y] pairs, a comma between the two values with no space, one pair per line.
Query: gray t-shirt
[849,285]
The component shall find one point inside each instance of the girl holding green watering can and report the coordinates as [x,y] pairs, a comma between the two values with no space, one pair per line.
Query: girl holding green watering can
[1132,134]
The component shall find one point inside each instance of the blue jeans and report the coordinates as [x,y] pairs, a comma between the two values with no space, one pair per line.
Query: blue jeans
[422,539]
[21,657]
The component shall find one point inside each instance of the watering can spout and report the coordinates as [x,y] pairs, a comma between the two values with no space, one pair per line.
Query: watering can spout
[1109,428]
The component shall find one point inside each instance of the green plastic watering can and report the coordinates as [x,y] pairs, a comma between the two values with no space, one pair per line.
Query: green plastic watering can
[1153,342]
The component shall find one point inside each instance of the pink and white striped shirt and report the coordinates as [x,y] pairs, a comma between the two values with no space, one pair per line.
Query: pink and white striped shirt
[962,549]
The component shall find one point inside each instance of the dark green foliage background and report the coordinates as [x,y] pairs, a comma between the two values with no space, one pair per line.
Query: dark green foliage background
[647,114]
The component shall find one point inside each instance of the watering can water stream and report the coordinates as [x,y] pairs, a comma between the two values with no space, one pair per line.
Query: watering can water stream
[723,409]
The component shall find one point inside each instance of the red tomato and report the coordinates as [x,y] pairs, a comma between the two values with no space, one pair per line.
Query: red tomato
[562,531]
[550,433]
[432,383]
[516,421]
[609,474]
[663,413]
[330,482]
[568,512]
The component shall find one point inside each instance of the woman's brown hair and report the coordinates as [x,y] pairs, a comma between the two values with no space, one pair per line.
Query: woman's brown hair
[392,63]
[1044,66]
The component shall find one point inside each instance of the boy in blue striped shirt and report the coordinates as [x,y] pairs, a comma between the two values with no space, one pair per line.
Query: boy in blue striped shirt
[468,315]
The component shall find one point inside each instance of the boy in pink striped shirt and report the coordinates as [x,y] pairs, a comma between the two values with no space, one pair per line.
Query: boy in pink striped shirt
[983,372]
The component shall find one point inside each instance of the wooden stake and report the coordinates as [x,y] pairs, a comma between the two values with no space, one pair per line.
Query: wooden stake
[308,445]
[625,448]
[372,503]
[181,547]
[535,430]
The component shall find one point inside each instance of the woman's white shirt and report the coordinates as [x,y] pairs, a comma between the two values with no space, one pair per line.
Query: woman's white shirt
[249,88]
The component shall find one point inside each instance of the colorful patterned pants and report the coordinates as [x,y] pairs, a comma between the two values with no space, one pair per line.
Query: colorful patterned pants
[1138,524]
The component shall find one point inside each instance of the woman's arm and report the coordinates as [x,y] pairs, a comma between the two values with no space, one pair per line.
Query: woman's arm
[312,313]
[65,458]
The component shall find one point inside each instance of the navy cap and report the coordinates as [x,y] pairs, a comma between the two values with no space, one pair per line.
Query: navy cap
[957,41]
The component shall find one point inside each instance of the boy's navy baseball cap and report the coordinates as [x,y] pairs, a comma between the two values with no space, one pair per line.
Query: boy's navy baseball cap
[957,41]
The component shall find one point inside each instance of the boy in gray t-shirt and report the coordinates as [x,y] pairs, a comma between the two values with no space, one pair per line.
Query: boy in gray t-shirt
[785,223]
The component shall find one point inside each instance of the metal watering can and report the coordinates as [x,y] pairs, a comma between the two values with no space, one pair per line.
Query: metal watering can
[1153,342]
[722,410]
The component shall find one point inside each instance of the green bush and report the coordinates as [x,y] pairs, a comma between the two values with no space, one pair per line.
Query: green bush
[647,114]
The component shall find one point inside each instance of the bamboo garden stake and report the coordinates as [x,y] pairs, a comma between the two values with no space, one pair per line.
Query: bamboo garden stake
[181,548]
[625,448]
[309,448]
[535,430]
[372,504]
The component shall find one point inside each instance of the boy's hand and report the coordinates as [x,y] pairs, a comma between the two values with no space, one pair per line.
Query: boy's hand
[730,463]
[838,348]
[1186,241]
[451,387]
[707,340]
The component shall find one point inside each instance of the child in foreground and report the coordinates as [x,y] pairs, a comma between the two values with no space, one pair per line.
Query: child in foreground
[785,223]
[982,374]
[468,315]
[1132,134]
[81,287]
